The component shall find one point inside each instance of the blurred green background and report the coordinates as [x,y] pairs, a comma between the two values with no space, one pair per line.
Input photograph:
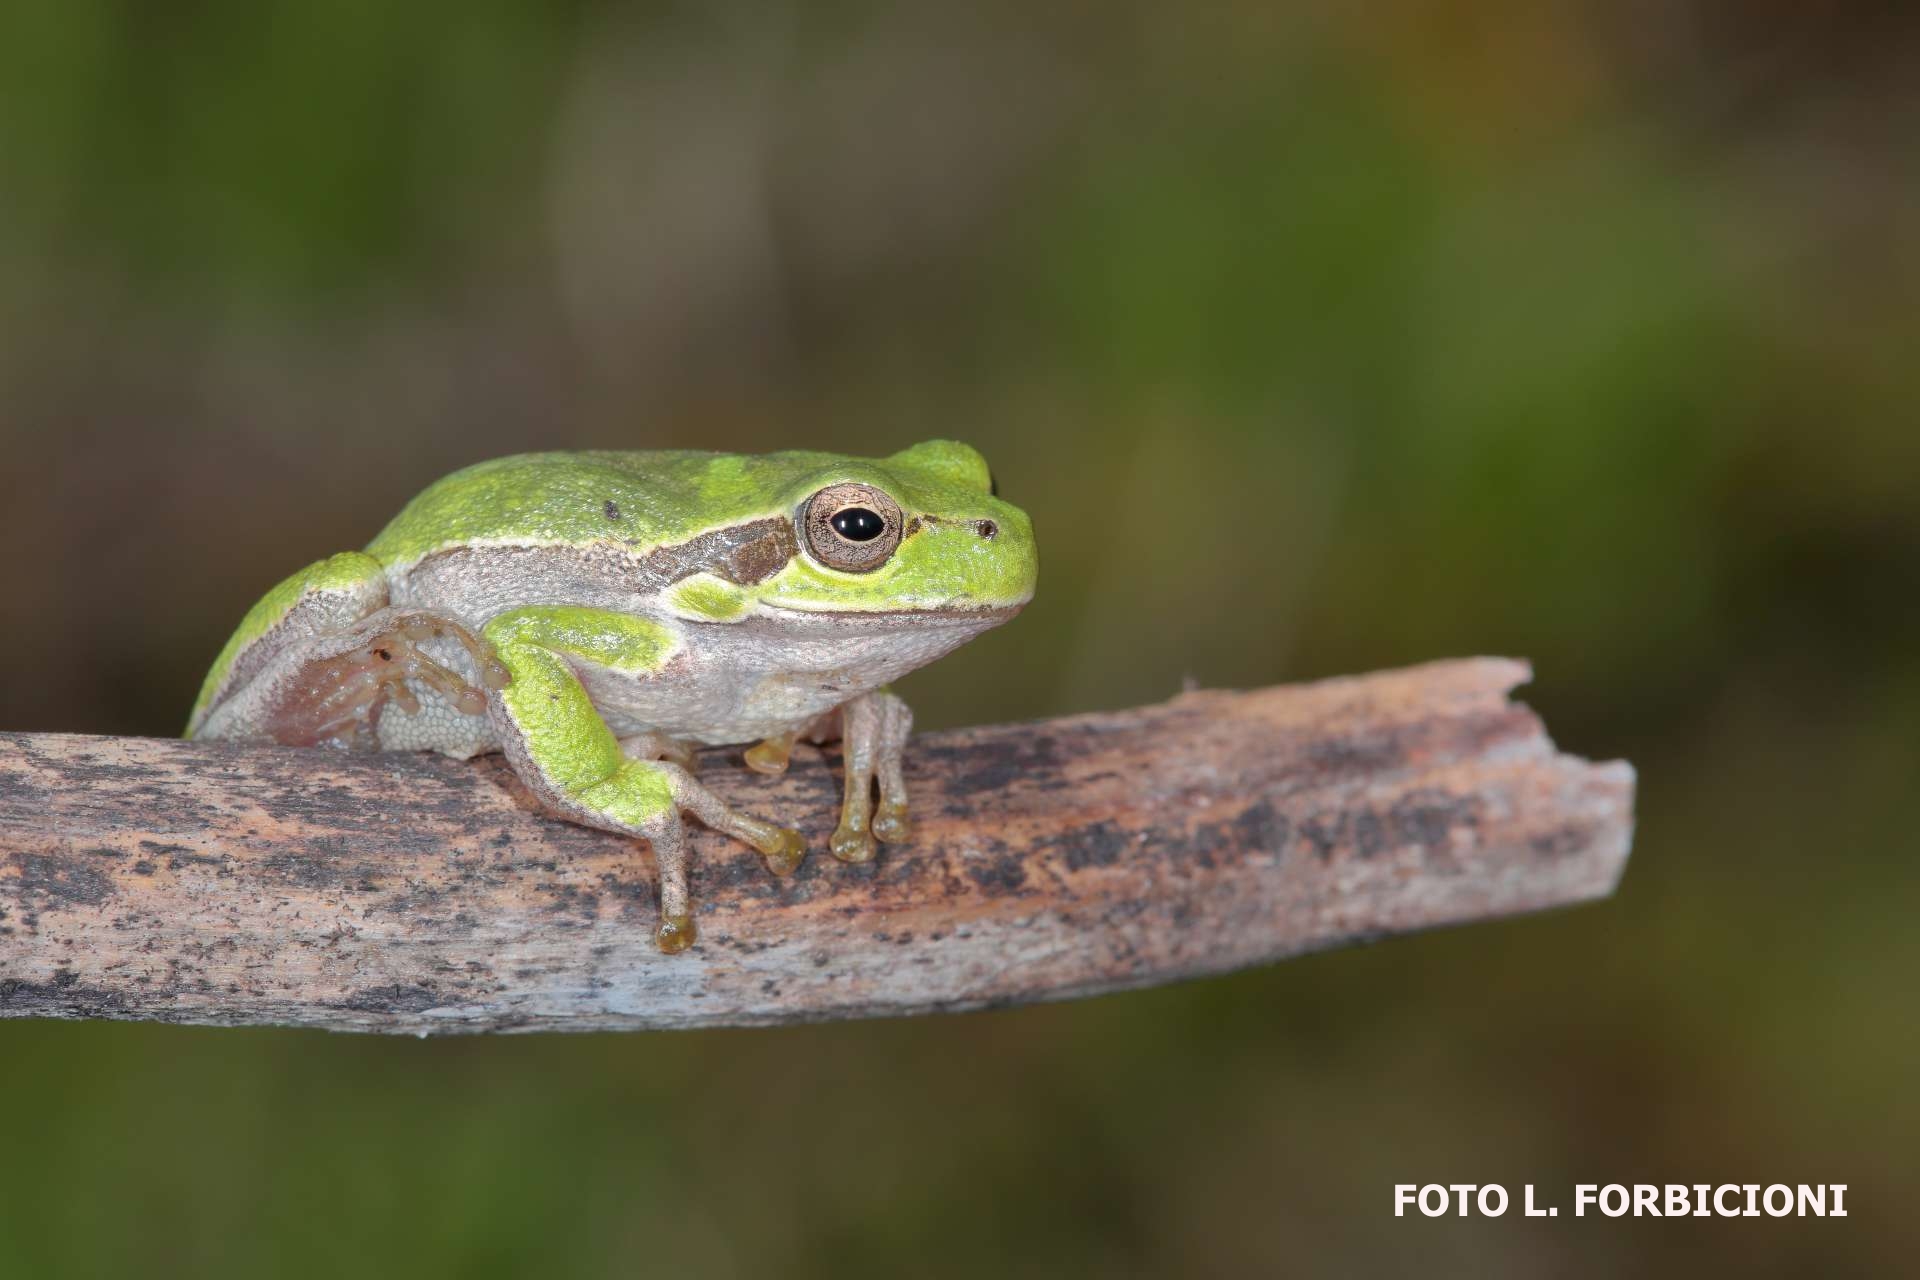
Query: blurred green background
[1315,337]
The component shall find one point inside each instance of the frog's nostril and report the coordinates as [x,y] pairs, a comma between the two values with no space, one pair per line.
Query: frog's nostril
[986,529]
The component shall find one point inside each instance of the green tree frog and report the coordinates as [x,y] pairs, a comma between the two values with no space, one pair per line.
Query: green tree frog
[596,616]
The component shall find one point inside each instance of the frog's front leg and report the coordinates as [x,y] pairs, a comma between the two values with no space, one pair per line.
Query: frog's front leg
[559,745]
[874,729]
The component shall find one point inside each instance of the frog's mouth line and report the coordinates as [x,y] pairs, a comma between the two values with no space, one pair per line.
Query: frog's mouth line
[970,615]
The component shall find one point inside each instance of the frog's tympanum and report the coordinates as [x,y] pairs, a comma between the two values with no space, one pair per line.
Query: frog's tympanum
[597,616]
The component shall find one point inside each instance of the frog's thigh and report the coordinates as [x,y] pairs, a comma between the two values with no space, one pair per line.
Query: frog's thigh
[559,745]
[326,596]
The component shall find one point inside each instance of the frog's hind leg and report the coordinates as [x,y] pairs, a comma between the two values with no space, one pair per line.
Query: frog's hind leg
[874,729]
[321,657]
[346,682]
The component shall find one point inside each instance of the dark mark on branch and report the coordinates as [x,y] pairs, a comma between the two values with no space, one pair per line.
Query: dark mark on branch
[64,996]
[1428,816]
[1324,834]
[397,998]
[1566,840]
[1099,844]
[51,884]
[180,855]
[1000,872]
[1257,829]
[979,768]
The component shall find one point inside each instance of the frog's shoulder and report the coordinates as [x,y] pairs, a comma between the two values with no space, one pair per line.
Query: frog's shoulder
[640,499]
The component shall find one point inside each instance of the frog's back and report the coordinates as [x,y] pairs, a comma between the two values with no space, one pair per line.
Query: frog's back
[640,499]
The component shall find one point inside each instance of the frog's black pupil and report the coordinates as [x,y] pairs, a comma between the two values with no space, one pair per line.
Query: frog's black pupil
[857,524]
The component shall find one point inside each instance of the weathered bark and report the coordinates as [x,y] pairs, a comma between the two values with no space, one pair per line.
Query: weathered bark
[207,883]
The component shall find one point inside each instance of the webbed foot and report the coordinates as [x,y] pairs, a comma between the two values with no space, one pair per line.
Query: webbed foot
[340,697]
[394,656]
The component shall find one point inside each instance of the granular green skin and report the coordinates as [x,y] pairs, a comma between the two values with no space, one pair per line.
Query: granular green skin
[651,499]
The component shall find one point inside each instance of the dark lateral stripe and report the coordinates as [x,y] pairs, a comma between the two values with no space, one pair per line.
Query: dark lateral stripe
[746,554]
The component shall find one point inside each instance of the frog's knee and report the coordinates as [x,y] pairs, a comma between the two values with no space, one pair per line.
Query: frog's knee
[344,571]
[328,595]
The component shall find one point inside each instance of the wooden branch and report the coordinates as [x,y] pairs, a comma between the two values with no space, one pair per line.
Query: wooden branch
[208,883]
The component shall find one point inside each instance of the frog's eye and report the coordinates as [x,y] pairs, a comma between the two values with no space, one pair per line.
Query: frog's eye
[851,527]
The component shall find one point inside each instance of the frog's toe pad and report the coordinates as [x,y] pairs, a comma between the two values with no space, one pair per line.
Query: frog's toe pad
[784,851]
[850,845]
[891,823]
[771,756]
[676,933]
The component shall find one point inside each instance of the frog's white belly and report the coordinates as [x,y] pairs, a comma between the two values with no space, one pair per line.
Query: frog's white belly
[773,672]
[728,683]
[770,674]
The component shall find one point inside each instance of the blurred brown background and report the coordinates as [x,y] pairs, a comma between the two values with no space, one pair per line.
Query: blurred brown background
[1315,337]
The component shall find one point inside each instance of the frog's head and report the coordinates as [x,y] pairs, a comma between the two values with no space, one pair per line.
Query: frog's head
[920,531]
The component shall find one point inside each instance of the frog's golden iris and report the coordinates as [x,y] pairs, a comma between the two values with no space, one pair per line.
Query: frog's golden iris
[854,528]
